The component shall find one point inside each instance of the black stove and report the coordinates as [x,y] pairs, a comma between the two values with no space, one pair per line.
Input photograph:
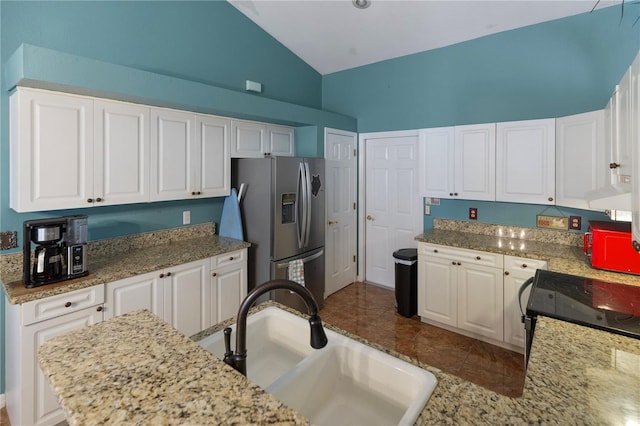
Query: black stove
[585,301]
[589,302]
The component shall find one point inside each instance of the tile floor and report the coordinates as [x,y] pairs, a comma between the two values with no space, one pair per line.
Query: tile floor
[369,312]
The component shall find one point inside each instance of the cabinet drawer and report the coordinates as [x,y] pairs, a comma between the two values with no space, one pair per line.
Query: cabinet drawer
[228,258]
[54,306]
[461,255]
[521,263]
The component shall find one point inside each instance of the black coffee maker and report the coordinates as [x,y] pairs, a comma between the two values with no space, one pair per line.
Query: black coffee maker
[54,258]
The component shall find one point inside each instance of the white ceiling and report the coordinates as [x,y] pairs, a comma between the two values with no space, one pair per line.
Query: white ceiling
[332,35]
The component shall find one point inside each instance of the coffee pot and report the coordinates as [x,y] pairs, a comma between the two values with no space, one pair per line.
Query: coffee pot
[48,261]
[59,253]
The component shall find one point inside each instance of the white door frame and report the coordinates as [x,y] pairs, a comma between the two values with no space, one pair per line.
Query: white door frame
[362,137]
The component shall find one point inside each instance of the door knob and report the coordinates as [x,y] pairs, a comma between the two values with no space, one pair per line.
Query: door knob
[369,217]
[333,222]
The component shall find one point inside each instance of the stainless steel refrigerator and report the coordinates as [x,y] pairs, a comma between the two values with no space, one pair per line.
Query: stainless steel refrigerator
[283,217]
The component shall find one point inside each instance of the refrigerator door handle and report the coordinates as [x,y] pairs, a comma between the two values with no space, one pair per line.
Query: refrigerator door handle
[285,265]
[301,217]
[307,207]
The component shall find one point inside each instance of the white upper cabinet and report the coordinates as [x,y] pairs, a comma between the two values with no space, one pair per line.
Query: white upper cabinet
[51,150]
[280,141]
[121,153]
[212,162]
[172,152]
[474,163]
[190,155]
[458,162]
[580,154]
[635,142]
[525,161]
[250,139]
[436,173]
[70,151]
[621,144]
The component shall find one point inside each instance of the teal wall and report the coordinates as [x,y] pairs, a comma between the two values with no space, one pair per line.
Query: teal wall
[506,213]
[553,69]
[204,41]
[197,55]
[547,70]
[189,55]
[194,55]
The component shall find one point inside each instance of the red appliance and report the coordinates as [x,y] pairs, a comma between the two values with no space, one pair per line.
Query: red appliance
[609,246]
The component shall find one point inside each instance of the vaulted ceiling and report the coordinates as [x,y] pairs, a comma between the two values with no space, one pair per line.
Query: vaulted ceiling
[334,35]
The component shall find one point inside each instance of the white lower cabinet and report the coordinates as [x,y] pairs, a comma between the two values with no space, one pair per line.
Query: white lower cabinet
[186,297]
[516,271]
[461,288]
[140,292]
[29,398]
[464,291]
[191,297]
[228,284]
[480,300]
[438,300]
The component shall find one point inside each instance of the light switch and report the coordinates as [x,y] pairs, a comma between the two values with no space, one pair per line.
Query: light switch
[186,217]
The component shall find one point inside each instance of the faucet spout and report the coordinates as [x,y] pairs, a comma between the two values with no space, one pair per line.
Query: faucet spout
[238,359]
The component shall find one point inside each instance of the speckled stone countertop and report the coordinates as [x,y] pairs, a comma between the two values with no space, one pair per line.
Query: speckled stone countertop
[559,249]
[135,369]
[124,257]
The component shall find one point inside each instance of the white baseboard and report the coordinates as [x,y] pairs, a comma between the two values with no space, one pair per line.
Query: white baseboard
[2,401]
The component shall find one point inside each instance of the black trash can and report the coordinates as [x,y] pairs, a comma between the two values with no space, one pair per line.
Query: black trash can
[406,281]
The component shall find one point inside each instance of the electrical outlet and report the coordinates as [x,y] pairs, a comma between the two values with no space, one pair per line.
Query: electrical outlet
[575,222]
[473,213]
[186,217]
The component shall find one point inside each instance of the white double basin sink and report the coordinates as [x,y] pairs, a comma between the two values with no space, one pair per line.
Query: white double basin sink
[344,383]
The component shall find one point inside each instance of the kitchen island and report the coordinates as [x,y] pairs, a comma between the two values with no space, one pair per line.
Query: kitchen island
[137,369]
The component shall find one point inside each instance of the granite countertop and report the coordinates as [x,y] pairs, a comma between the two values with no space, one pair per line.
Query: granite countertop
[110,266]
[565,258]
[138,370]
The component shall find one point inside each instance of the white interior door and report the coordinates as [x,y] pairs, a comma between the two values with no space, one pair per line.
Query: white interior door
[393,214]
[340,241]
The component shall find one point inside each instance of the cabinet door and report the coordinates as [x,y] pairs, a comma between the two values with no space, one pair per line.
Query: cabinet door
[248,139]
[622,144]
[635,137]
[212,160]
[437,291]
[480,300]
[172,151]
[229,288]
[39,403]
[475,162]
[188,296]
[435,167]
[140,292]
[580,158]
[517,271]
[121,153]
[611,123]
[280,141]
[51,150]
[525,161]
